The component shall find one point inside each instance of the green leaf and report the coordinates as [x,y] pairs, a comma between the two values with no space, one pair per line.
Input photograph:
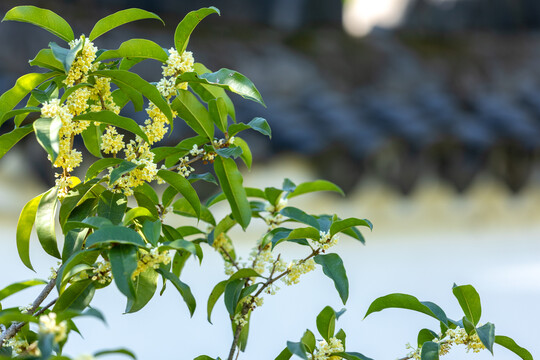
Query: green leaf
[16,287]
[511,345]
[259,124]
[133,81]
[182,207]
[7,141]
[231,181]
[317,185]
[136,213]
[180,244]
[112,206]
[216,293]
[47,131]
[486,333]
[123,260]
[243,274]
[230,152]
[46,59]
[326,323]
[92,138]
[218,113]
[179,260]
[65,56]
[340,335]
[352,356]
[75,297]
[21,111]
[116,235]
[298,349]
[250,192]
[340,225]
[430,351]
[304,233]
[426,335]
[182,288]
[123,168]
[184,187]
[77,196]
[108,117]
[149,191]
[136,48]
[469,300]
[188,24]
[246,155]
[120,18]
[404,301]
[87,257]
[116,351]
[209,92]
[145,286]
[43,18]
[45,219]
[300,216]
[152,231]
[208,177]
[333,268]
[23,86]
[193,112]
[233,289]
[309,341]
[284,355]
[227,79]
[100,165]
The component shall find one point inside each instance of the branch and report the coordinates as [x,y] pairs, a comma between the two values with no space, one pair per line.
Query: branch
[17,326]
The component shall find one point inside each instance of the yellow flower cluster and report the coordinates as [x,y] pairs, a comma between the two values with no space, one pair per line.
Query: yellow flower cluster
[102,97]
[262,260]
[151,259]
[326,241]
[111,141]
[102,272]
[325,350]
[297,269]
[224,246]
[20,346]
[457,336]
[240,320]
[82,64]
[178,64]
[49,325]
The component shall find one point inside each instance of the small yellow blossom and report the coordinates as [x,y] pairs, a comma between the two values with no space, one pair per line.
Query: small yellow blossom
[325,349]
[49,325]
[82,64]
[151,259]
[296,269]
[178,64]
[111,141]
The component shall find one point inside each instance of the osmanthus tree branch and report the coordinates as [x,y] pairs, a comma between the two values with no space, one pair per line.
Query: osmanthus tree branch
[17,326]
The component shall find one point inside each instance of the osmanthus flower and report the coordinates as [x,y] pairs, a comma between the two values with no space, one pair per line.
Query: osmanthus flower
[297,269]
[457,336]
[151,258]
[326,241]
[83,63]
[48,325]
[20,346]
[102,97]
[111,141]
[325,349]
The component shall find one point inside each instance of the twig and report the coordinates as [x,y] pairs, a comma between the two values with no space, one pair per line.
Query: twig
[235,264]
[17,326]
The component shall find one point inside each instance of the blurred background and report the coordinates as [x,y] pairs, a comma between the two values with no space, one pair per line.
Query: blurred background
[426,112]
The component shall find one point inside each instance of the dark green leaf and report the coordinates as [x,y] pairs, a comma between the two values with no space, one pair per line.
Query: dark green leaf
[326,323]
[298,349]
[123,260]
[183,186]
[193,112]
[304,233]
[188,23]
[426,335]
[486,333]
[149,191]
[232,294]
[317,185]
[152,231]
[182,288]
[47,131]
[112,206]
[469,300]
[136,48]
[120,18]
[216,293]
[352,356]
[24,110]
[300,216]
[209,92]
[77,196]
[218,112]
[341,225]
[43,18]
[108,117]
[7,141]
[45,219]
[208,177]
[123,168]
[75,297]
[115,235]
[92,139]
[116,351]
[87,257]
[65,56]
[16,287]
[333,268]
[227,79]
[45,345]
[511,345]
[99,166]
[308,339]
[145,286]
[182,207]
[430,351]
[231,181]
[230,152]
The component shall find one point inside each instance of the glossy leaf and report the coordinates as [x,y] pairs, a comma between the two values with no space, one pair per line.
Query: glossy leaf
[87,257]
[230,152]
[182,288]
[425,335]
[208,92]
[233,289]
[75,197]
[123,259]
[145,287]
[333,268]
[116,235]
[136,213]
[246,155]
[326,323]
[231,181]
[317,185]
[136,48]
[136,83]
[152,231]
[259,124]
[65,56]
[284,355]
[188,24]
[218,113]
[469,300]
[308,339]
[208,177]
[18,286]
[43,18]
[23,86]
[404,301]
[511,345]
[112,206]
[45,220]
[47,134]
[341,225]
[7,141]
[227,79]
[149,191]
[120,18]
[193,112]
[216,293]
[430,351]
[304,233]
[182,207]
[298,349]
[183,186]
[45,59]
[125,167]
[243,274]
[486,333]
[21,111]
[300,216]
[100,165]
[75,297]
[108,117]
